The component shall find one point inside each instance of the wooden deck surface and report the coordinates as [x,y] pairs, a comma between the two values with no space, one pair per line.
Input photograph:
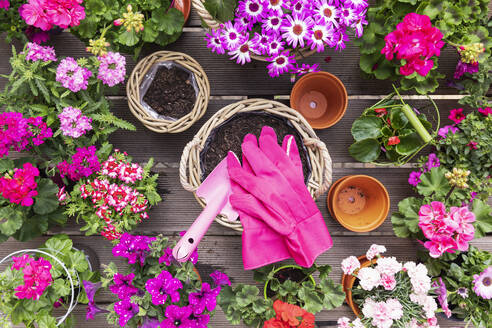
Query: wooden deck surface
[221,248]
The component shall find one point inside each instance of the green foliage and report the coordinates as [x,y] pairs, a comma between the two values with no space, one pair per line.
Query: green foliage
[11,23]
[221,10]
[462,22]
[247,304]
[382,121]
[39,312]
[457,271]
[162,24]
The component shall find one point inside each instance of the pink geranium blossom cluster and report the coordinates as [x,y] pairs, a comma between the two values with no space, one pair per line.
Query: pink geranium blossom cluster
[45,14]
[21,187]
[37,276]
[72,76]
[35,52]
[73,123]
[18,133]
[112,68]
[279,28]
[4,4]
[84,163]
[446,231]
[113,199]
[415,41]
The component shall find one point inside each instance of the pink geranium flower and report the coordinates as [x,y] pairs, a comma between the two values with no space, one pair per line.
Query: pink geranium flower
[456,115]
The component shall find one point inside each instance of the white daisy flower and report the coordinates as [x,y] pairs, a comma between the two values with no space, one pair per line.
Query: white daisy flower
[296,29]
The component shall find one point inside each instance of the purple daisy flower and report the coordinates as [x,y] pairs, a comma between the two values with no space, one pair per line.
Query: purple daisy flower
[306,68]
[214,42]
[280,64]
[296,29]
[253,10]
[348,16]
[463,292]
[275,46]
[301,7]
[232,36]
[356,4]
[204,299]
[273,22]
[125,310]
[340,40]
[327,10]
[168,257]
[220,278]
[123,286]
[242,53]
[359,24]
[414,178]
[178,317]
[244,22]
[162,286]
[260,43]
[321,35]
[482,284]
[276,5]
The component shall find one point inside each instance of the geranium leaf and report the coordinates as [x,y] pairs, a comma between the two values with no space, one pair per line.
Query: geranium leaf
[222,10]
[333,294]
[169,21]
[406,221]
[311,299]
[366,127]
[6,164]
[366,150]
[398,119]
[32,227]
[247,295]
[434,183]
[45,320]
[408,144]
[61,287]
[150,31]
[128,38]
[483,217]
[46,201]
[10,220]
[59,244]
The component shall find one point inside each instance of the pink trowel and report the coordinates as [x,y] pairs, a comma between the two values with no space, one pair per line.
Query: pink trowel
[215,191]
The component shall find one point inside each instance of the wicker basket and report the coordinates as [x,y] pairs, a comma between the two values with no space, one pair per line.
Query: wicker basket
[212,23]
[162,125]
[190,172]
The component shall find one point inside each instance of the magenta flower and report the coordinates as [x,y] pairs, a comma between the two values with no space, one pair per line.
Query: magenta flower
[35,52]
[125,310]
[232,36]
[72,76]
[33,13]
[123,286]
[92,309]
[4,4]
[253,10]
[260,43]
[275,46]
[73,123]
[432,161]
[273,22]
[242,53]
[162,286]
[134,248]
[456,115]
[204,299]
[296,29]
[443,132]
[485,111]
[178,317]
[472,144]
[220,279]
[167,257]
[37,277]
[328,11]
[305,68]
[321,35]
[150,323]
[462,68]
[414,178]
[200,321]
[280,64]
[214,43]
[482,284]
[442,296]
[21,188]
[112,68]
[84,163]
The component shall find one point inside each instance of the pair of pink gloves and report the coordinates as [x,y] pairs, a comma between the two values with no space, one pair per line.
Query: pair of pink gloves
[279,216]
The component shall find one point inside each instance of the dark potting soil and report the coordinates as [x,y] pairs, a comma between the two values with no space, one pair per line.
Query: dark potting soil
[293,274]
[171,93]
[230,134]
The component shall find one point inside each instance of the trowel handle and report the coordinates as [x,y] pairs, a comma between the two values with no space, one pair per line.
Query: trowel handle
[189,242]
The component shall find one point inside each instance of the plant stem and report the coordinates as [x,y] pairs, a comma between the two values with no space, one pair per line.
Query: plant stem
[414,120]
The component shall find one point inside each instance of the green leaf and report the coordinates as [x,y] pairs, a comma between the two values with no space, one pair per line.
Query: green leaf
[6,164]
[398,119]
[367,150]
[10,220]
[61,287]
[222,10]
[434,183]
[45,320]
[456,271]
[59,244]
[333,294]
[483,217]
[79,262]
[128,38]
[406,221]
[366,127]
[311,299]
[169,21]
[409,144]
[247,295]
[32,227]
[46,201]
[150,31]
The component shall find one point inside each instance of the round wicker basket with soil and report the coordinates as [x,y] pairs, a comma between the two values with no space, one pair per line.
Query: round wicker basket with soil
[168,92]
[225,131]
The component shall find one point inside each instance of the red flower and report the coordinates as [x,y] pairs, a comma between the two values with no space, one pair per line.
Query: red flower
[456,115]
[307,320]
[388,120]
[485,111]
[288,313]
[393,141]
[381,111]
[472,144]
[275,323]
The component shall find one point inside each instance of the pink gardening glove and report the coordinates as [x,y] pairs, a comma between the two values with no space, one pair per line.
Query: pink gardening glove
[277,183]
[257,236]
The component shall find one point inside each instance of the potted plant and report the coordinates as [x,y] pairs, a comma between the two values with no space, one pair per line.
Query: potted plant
[384,43]
[128,27]
[360,203]
[38,284]
[444,219]
[462,282]
[156,291]
[290,297]
[280,32]
[391,132]
[168,91]
[36,20]
[383,292]
[116,199]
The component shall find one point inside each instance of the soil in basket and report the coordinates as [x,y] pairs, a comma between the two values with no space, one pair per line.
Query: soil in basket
[230,135]
[293,274]
[171,93]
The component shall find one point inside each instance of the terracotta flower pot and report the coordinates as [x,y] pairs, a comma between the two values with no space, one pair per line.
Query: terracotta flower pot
[291,266]
[184,6]
[348,283]
[321,98]
[360,203]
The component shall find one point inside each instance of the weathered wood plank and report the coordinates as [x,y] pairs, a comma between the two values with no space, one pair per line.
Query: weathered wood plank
[167,148]
[224,253]
[228,78]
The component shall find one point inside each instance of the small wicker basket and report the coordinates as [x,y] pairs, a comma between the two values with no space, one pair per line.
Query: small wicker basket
[190,172]
[161,125]
[212,23]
